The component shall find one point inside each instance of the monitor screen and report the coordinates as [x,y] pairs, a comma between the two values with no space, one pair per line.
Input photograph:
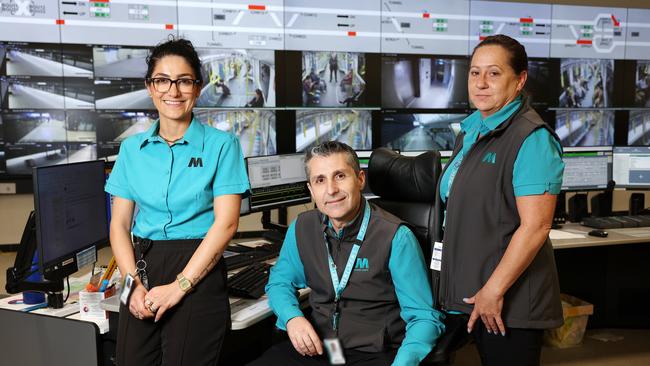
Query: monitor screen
[638,130]
[594,127]
[120,62]
[541,83]
[351,126]
[237,78]
[70,203]
[586,83]
[255,128]
[424,82]
[277,181]
[114,127]
[586,170]
[632,166]
[333,79]
[642,84]
[420,131]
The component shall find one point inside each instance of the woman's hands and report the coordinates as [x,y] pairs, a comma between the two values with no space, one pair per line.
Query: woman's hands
[137,302]
[162,298]
[488,304]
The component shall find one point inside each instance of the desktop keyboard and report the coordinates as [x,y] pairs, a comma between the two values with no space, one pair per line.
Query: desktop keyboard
[247,255]
[616,222]
[250,281]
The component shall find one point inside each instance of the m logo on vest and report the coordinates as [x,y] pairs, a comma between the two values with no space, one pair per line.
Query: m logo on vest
[195,162]
[361,265]
[490,158]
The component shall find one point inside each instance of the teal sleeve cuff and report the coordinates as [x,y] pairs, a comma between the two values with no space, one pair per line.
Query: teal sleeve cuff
[287,276]
[231,189]
[535,189]
[118,191]
[423,323]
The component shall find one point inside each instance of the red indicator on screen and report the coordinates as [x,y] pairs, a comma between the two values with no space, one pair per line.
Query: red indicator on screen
[99,1]
[352,34]
[584,41]
[169,26]
[482,38]
[525,20]
[426,15]
[616,22]
[256,7]
[60,21]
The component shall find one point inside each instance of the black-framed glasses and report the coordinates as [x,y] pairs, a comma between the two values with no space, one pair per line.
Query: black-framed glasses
[162,85]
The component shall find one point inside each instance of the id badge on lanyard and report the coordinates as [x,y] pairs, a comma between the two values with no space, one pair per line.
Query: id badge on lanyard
[339,285]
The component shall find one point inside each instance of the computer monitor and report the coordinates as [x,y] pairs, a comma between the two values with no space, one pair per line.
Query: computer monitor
[632,166]
[277,181]
[351,126]
[420,131]
[71,218]
[585,128]
[586,169]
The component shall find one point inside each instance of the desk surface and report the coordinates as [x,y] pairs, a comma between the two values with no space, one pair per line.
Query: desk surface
[615,237]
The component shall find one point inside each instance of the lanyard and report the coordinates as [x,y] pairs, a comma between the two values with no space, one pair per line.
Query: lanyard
[339,285]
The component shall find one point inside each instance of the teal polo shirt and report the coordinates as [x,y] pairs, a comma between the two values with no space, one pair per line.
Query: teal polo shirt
[174,186]
[538,167]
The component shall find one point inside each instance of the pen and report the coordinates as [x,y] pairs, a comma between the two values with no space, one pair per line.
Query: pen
[34,307]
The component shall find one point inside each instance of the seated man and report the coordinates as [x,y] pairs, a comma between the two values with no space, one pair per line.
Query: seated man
[369,284]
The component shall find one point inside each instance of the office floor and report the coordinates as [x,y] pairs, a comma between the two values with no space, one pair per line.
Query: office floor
[631,347]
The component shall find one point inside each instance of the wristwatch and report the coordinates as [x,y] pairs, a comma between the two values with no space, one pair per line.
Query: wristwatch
[185,284]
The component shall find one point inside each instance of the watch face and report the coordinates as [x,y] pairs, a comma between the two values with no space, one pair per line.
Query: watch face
[184,283]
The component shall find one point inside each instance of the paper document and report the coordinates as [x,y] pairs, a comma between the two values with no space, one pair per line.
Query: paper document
[559,234]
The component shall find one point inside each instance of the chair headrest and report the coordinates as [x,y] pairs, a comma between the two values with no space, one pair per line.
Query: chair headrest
[396,177]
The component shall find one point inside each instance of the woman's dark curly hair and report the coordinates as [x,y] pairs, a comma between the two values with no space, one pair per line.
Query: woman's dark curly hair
[175,47]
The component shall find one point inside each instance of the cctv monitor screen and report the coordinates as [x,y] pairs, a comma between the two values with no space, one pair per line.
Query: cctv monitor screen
[424,82]
[593,127]
[586,83]
[351,126]
[420,131]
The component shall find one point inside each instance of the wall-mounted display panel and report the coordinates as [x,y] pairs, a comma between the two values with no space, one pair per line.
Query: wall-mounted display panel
[642,84]
[237,78]
[115,127]
[29,20]
[255,128]
[637,42]
[420,131]
[333,79]
[351,126]
[593,127]
[120,62]
[334,25]
[431,26]
[530,24]
[588,32]
[122,94]
[232,23]
[117,22]
[638,129]
[587,83]
[423,82]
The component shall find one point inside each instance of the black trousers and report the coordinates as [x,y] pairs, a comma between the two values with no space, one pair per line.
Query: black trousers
[520,347]
[283,354]
[192,332]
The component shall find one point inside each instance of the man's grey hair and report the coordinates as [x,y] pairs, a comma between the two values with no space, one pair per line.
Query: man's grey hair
[328,148]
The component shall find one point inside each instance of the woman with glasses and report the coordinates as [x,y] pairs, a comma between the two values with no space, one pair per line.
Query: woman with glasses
[186,180]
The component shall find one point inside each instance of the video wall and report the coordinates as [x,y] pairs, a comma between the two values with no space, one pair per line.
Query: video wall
[284,75]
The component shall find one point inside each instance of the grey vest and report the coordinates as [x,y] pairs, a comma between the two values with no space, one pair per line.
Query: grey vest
[481,219]
[369,311]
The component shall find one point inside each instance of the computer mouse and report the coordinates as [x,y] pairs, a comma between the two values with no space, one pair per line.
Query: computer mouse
[599,233]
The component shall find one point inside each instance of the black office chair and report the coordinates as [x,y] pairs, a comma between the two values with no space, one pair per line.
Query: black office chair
[406,187]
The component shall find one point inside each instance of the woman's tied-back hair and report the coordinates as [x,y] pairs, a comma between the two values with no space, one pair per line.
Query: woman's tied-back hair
[175,47]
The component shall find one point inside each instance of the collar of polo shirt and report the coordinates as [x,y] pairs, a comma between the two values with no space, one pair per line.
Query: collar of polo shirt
[194,135]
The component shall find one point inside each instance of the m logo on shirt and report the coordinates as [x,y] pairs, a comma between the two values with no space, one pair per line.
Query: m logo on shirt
[195,162]
[361,265]
[490,158]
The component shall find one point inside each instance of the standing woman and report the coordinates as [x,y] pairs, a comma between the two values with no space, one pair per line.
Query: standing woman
[186,180]
[498,193]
